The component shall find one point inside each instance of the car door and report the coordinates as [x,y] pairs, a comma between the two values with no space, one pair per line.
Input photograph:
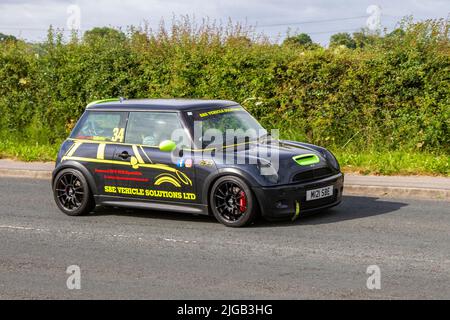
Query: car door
[156,173]
[95,140]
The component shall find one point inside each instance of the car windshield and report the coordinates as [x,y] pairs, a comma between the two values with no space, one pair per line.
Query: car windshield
[226,126]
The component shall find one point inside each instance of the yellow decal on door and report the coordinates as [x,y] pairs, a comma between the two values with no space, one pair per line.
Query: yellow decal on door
[150,193]
[167,178]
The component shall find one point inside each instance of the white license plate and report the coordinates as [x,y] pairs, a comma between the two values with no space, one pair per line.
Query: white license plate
[319,193]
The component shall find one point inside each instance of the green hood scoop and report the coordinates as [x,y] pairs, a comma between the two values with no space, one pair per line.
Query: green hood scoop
[306,159]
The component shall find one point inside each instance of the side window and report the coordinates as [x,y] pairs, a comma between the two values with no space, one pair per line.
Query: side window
[152,128]
[101,126]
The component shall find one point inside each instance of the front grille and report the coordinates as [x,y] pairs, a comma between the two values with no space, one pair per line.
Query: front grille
[313,174]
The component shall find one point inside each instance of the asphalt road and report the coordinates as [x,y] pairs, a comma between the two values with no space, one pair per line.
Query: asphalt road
[151,255]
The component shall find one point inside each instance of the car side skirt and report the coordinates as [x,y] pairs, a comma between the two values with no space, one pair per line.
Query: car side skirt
[151,205]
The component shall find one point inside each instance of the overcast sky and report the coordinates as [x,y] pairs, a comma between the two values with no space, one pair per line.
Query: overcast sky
[321,18]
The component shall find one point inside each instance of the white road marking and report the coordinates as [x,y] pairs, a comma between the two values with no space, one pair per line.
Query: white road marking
[21,228]
[305,250]
[179,241]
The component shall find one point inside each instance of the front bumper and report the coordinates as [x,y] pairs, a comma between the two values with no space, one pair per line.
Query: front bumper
[285,201]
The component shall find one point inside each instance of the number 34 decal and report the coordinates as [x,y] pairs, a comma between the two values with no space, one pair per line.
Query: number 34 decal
[118,134]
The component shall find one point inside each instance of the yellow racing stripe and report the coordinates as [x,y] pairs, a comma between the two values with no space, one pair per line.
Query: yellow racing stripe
[74,148]
[101,151]
[157,147]
[136,154]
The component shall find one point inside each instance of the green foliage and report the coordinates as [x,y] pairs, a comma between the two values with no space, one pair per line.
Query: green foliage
[342,39]
[365,38]
[301,39]
[104,33]
[6,37]
[390,93]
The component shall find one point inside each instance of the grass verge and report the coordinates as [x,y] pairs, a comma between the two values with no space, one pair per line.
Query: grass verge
[27,151]
[365,162]
[394,163]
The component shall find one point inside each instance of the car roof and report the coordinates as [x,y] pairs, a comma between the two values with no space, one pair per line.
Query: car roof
[159,104]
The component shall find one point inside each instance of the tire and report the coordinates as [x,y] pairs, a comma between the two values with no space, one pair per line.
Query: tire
[232,202]
[72,193]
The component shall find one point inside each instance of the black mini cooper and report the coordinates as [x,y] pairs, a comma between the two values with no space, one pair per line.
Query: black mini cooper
[196,156]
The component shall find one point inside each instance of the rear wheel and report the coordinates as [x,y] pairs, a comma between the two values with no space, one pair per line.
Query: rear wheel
[232,202]
[72,194]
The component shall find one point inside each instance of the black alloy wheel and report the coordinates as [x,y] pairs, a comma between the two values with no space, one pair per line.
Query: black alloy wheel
[232,202]
[72,193]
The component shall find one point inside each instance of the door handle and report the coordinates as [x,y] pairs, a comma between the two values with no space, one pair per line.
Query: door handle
[124,155]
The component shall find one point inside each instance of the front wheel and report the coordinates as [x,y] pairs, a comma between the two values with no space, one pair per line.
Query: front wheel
[72,194]
[232,202]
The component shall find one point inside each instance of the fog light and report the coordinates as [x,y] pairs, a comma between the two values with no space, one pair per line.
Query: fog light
[281,204]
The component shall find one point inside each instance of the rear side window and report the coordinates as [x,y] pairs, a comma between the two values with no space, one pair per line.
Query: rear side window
[152,128]
[101,126]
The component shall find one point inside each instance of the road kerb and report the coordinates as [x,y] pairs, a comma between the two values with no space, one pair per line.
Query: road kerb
[397,192]
[19,173]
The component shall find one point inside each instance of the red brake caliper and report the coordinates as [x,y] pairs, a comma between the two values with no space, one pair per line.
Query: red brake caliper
[242,202]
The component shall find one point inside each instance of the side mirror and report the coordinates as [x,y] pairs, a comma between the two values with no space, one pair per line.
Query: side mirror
[167,146]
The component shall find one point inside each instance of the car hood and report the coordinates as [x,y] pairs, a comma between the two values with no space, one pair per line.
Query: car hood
[281,155]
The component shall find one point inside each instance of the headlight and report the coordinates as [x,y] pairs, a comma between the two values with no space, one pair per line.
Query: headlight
[268,171]
[331,159]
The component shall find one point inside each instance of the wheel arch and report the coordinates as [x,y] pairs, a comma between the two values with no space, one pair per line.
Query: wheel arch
[209,182]
[78,166]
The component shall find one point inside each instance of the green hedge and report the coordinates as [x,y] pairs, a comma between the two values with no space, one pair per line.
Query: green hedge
[392,94]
